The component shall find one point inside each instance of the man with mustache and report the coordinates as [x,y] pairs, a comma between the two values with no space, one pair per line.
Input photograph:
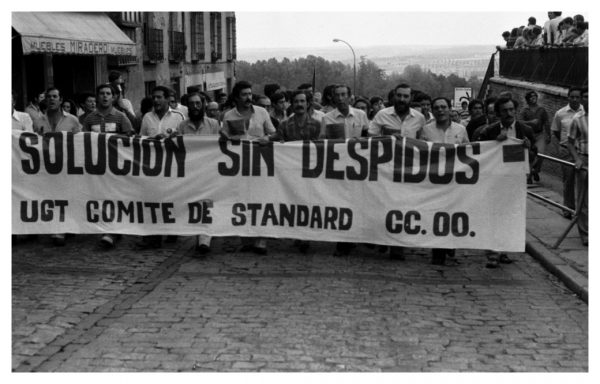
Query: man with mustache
[250,122]
[299,126]
[401,121]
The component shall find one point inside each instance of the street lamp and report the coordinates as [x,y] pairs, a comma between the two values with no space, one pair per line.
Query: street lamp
[353,55]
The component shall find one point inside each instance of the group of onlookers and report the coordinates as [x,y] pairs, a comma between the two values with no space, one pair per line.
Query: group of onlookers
[556,32]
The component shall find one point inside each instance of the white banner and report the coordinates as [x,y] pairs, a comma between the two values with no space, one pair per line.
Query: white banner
[378,190]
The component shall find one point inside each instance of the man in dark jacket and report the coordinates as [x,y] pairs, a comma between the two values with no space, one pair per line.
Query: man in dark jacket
[507,126]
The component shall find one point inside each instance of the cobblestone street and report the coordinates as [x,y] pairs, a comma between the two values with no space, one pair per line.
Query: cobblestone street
[81,309]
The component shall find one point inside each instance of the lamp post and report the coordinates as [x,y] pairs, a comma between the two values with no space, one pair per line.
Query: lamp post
[354,56]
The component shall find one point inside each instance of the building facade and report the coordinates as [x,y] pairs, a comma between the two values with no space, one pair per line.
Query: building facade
[76,51]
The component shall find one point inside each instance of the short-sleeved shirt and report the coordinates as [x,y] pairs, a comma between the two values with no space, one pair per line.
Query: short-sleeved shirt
[579,132]
[208,127]
[258,125]
[153,125]
[387,121]
[454,134]
[21,121]
[66,123]
[354,123]
[562,121]
[113,121]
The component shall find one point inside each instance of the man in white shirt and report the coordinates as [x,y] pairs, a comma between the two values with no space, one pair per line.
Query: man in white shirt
[21,121]
[162,120]
[399,120]
[343,122]
[443,130]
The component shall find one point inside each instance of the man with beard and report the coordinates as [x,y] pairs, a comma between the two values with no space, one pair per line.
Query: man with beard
[198,124]
[106,118]
[401,121]
[344,122]
[250,122]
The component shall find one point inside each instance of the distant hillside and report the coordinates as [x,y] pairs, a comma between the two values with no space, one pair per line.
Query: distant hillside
[341,52]
[464,61]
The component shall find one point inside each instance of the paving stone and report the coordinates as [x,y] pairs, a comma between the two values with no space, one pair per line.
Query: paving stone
[288,312]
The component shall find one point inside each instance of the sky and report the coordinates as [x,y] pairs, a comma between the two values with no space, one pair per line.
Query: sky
[360,29]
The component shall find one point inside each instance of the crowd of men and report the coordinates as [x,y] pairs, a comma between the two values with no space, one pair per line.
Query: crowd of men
[304,114]
[558,31]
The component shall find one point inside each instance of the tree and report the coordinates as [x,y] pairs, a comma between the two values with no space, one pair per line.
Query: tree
[371,80]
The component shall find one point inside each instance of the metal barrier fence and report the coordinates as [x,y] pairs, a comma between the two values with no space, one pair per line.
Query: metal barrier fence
[562,66]
[577,211]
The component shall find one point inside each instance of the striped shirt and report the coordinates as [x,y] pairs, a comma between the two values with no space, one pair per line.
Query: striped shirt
[579,132]
[112,122]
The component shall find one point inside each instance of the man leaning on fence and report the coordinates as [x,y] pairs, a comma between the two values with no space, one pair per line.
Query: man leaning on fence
[578,147]
[561,125]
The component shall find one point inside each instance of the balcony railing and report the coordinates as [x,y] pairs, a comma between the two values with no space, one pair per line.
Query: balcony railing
[176,46]
[565,67]
[120,61]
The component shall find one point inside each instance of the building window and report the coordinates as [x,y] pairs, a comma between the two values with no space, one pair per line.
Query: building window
[176,39]
[148,87]
[230,33]
[153,41]
[197,32]
[216,43]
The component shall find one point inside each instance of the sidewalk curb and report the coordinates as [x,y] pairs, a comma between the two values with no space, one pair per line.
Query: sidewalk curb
[555,265]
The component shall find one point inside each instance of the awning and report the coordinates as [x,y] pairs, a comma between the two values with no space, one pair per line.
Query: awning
[71,33]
